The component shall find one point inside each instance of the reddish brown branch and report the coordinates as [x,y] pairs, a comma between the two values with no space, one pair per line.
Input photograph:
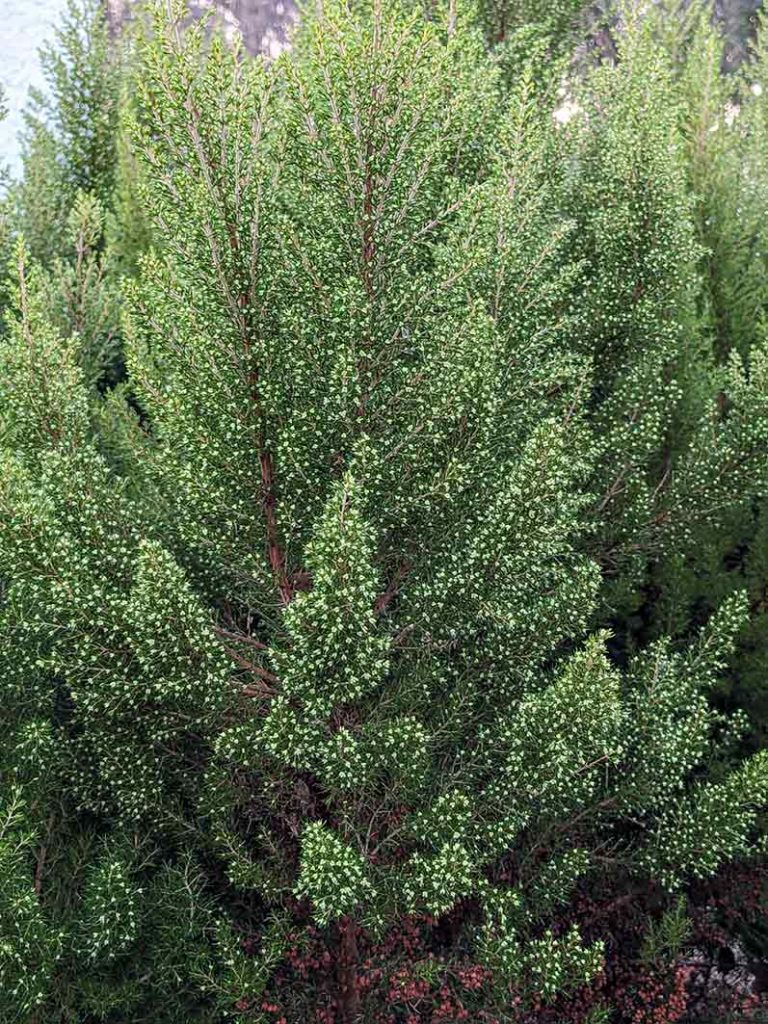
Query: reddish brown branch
[257,690]
[241,638]
[383,601]
[349,987]
[262,673]
[369,237]
[275,551]
[40,869]
[42,855]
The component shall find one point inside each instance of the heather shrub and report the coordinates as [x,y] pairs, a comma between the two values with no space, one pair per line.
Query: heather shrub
[353,661]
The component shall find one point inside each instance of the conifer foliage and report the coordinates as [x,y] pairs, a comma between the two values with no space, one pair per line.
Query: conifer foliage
[69,144]
[301,626]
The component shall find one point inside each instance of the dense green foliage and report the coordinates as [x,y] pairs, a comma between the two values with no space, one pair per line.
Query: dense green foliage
[383,449]
[77,205]
[69,144]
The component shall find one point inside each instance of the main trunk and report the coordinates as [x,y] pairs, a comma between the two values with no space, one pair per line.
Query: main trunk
[349,990]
